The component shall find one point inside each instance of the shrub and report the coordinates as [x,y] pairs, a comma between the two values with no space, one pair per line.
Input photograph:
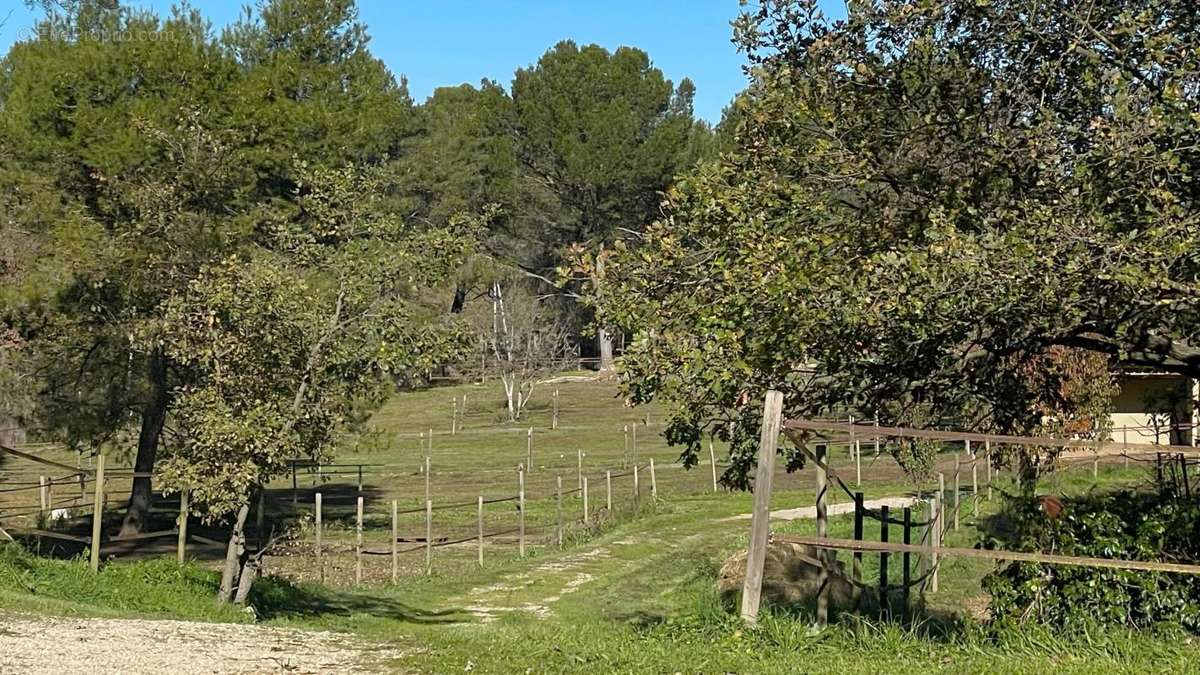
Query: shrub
[1125,525]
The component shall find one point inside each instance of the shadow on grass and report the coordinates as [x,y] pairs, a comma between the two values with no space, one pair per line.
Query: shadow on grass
[275,598]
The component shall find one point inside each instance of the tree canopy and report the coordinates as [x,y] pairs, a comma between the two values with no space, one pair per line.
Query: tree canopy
[923,200]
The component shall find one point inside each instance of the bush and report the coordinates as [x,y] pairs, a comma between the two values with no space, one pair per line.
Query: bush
[1125,525]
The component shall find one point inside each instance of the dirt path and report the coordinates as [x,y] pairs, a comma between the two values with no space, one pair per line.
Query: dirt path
[64,646]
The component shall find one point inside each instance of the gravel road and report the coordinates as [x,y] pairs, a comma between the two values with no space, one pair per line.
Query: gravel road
[64,646]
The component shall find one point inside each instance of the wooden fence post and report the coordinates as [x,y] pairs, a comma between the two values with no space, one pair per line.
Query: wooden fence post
[877,436]
[558,502]
[821,474]
[295,489]
[43,497]
[906,566]
[956,490]
[454,418]
[987,453]
[1096,466]
[759,524]
[637,490]
[974,489]
[554,422]
[586,518]
[429,537]
[521,511]
[98,514]
[608,492]
[856,559]
[358,527]
[529,449]
[939,509]
[885,601]
[479,526]
[653,483]
[712,461]
[579,469]
[317,524]
[181,546]
[395,543]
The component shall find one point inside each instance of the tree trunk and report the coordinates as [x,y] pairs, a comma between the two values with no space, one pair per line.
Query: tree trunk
[154,414]
[233,556]
[246,581]
[460,299]
[605,339]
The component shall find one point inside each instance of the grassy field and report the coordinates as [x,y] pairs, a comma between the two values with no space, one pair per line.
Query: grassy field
[634,591]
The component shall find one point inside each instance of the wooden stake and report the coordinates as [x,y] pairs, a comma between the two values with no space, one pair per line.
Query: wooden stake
[885,600]
[294,487]
[554,422]
[358,524]
[634,444]
[608,492]
[856,559]
[939,509]
[579,469]
[181,547]
[877,437]
[317,522]
[529,449]
[395,544]
[44,497]
[956,490]
[820,470]
[760,526]
[586,518]
[653,482]
[1096,466]
[521,510]
[428,537]
[454,418]
[712,461]
[987,451]
[479,527]
[637,489]
[558,501]
[906,562]
[98,514]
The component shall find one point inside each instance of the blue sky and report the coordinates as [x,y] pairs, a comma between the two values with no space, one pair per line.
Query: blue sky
[448,42]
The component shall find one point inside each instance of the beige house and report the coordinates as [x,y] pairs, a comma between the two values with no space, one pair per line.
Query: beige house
[1155,408]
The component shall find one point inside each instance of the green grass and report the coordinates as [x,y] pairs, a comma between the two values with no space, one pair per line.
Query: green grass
[633,592]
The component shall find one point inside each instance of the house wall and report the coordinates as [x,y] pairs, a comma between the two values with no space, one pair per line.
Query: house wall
[1153,409]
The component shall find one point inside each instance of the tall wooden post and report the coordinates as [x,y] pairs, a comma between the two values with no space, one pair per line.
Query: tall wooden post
[821,472]
[877,436]
[358,527]
[712,461]
[184,507]
[428,537]
[98,514]
[608,492]
[295,488]
[521,511]
[579,469]
[906,561]
[479,528]
[885,601]
[587,519]
[956,490]
[395,544]
[856,559]
[653,482]
[637,489]
[558,503]
[317,525]
[454,418]
[987,452]
[760,526]
[554,422]
[43,497]
[939,509]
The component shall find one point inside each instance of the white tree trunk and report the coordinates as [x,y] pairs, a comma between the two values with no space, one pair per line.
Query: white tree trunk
[605,339]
